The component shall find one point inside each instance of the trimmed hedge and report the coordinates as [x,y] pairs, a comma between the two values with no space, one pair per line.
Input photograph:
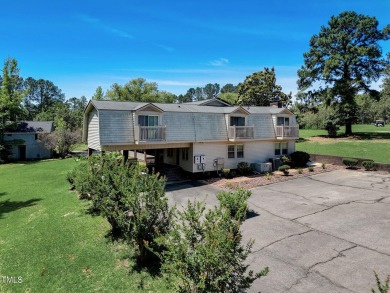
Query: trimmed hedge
[368,165]
[350,162]
[299,159]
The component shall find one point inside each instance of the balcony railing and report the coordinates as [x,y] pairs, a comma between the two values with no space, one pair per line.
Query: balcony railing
[150,133]
[241,132]
[287,131]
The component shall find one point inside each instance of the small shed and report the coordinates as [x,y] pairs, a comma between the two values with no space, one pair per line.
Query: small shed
[25,140]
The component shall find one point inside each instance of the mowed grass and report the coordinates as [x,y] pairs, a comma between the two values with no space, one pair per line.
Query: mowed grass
[49,240]
[368,142]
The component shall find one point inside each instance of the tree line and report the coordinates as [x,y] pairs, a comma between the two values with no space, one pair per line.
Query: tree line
[334,84]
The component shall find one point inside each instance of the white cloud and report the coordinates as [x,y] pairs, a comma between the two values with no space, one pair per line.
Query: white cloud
[219,62]
[97,23]
[164,47]
[174,82]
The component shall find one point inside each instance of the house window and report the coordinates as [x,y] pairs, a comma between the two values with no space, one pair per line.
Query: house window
[170,153]
[148,120]
[184,154]
[231,151]
[235,151]
[283,121]
[237,121]
[240,150]
[281,148]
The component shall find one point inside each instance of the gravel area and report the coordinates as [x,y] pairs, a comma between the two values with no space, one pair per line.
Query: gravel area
[253,181]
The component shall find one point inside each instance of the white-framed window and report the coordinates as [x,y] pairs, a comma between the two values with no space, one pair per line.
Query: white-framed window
[147,120]
[235,151]
[170,153]
[184,154]
[281,148]
[240,150]
[283,121]
[231,152]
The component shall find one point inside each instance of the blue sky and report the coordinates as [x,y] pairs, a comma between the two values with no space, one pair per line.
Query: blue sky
[80,45]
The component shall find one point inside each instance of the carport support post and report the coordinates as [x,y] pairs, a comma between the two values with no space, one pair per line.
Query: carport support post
[145,156]
[125,155]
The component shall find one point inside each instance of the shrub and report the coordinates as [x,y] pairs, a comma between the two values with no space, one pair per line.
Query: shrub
[350,162]
[311,169]
[299,159]
[235,203]
[284,169]
[286,160]
[233,174]
[300,171]
[323,166]
[243,168]
[144,215]
[132,201]
[268,176]
[382,287]
[368,165]
[225,172]
[205,253]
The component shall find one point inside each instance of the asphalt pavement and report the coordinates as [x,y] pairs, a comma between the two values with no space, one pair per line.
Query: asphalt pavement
[323,233]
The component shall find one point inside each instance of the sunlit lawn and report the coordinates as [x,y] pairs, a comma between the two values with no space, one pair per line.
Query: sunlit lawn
[49,240]
[368,142]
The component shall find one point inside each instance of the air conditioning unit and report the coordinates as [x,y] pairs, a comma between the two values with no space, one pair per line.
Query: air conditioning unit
[265,167]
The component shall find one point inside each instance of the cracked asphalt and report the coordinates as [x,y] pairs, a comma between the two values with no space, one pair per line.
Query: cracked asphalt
[324,233]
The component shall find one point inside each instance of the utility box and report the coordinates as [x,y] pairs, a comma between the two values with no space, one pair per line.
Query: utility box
[220,161]
[196,159]
[203,159]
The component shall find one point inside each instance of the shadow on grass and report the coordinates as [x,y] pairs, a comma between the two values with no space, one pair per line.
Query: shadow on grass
[152,266]
[9,206]
[370,135]
[301,139]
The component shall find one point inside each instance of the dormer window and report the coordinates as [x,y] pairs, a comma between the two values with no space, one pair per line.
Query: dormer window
[148,120]
[237,121]
[283,121]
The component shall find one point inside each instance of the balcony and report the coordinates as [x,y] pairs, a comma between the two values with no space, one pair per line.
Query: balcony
[241,132]
[149,133]
[287,131]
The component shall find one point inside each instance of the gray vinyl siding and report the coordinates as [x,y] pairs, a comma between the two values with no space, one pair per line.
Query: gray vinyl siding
[264,126]
[93,130]
[116,127]
[210,127]
[180,126]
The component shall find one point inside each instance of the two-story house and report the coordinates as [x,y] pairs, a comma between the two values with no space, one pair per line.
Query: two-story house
[198,136]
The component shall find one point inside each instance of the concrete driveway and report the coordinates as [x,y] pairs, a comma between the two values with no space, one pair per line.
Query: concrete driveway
[324,233]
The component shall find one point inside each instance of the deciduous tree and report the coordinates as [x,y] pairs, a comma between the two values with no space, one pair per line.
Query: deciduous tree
[260,89]
[11,92]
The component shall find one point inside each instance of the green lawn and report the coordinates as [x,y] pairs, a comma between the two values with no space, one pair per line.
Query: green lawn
[49,240]
[368,142]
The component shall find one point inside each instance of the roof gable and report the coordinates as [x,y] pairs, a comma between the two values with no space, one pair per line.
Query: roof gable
[215,102]
[241,110]
[148,107]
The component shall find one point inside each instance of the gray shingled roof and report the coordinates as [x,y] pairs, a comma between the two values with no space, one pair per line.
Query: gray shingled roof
[116,105]
[184,107]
